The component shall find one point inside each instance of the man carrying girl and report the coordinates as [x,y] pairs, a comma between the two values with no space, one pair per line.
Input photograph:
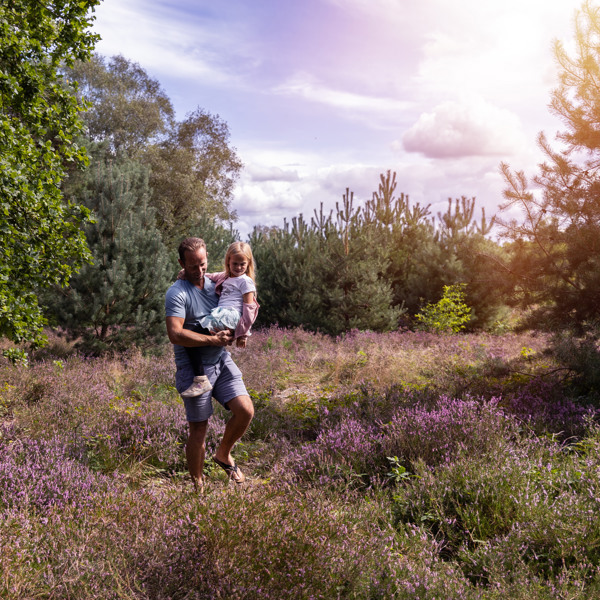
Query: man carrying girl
[189,301]
[236,310]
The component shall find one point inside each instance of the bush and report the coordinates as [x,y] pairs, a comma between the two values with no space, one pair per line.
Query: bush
[449,314]
[529,506]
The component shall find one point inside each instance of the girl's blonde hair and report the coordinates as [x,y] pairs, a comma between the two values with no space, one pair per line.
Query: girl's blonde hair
[244,249]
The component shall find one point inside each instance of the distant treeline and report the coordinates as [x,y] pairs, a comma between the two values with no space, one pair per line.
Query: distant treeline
[374,264]
[373,267]
[153,180]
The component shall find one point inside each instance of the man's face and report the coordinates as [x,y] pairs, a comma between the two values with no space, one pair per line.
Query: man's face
[195,266]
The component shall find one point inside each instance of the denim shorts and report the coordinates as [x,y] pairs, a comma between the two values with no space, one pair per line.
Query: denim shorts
[226,379]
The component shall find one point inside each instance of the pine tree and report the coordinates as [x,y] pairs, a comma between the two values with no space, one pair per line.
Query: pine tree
[418,265]
[326,275]
[556,247]
[354,291]
[193,167]
[288,270]
[367,267]
[118,300]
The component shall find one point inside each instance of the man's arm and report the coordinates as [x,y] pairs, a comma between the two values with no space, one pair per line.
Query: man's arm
[190,339]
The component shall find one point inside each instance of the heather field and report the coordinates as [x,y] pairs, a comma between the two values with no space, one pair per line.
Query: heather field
[399,465]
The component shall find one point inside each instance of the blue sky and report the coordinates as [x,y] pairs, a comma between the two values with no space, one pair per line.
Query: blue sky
[324,95]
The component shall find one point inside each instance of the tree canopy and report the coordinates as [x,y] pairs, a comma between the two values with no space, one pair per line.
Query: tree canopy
[128,109]
[41,239]
[118,300]
[151,181]
[154,179]
[556,246]
[193,167]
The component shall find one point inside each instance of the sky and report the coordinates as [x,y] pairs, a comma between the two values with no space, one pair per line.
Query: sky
[324,95]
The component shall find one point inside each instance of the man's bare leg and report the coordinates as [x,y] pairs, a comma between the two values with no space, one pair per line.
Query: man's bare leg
[242,411]
[195,452]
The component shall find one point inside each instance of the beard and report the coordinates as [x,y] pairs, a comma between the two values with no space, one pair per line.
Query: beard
[194,278]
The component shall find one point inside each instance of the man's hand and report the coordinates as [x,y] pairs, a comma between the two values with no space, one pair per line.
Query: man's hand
[241,341]
[223,338]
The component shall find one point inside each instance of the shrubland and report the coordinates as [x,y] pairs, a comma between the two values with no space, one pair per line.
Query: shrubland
[382,462]
[380,465]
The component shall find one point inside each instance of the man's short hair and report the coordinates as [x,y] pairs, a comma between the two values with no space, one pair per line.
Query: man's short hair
[190,244]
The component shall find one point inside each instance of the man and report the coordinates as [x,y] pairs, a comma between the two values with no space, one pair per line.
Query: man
[187,301]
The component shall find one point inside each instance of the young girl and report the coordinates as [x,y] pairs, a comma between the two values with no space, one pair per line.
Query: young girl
[236,311]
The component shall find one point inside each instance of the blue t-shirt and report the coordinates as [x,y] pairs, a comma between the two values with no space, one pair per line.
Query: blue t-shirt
[187,302]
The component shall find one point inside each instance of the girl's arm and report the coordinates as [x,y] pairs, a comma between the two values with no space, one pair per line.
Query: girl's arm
[216,276]
[211,276]
[249,312]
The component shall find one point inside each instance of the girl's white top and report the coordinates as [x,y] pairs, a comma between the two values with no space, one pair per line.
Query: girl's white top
[233,292]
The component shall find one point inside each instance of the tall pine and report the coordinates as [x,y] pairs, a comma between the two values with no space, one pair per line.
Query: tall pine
[556,245]
[118,300]
[326,275]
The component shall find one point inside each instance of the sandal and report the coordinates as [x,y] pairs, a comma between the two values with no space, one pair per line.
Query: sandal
[233,471]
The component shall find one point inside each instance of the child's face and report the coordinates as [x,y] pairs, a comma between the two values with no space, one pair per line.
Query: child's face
[238,265]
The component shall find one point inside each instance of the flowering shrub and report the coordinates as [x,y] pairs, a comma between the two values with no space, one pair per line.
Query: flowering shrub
[527,508]
[46,475]
[397,465]
[342,454]
[543,406]
[450,428]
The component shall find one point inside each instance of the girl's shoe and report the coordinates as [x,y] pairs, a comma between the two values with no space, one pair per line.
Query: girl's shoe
[200,386]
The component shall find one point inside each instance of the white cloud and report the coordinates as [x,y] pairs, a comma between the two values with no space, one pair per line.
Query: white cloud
[361,179]
[425,181]
[269,202]
[256,199]
[455,130]
[289,87]
[499,51]
[169,43]
[309,88]
[259,173]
